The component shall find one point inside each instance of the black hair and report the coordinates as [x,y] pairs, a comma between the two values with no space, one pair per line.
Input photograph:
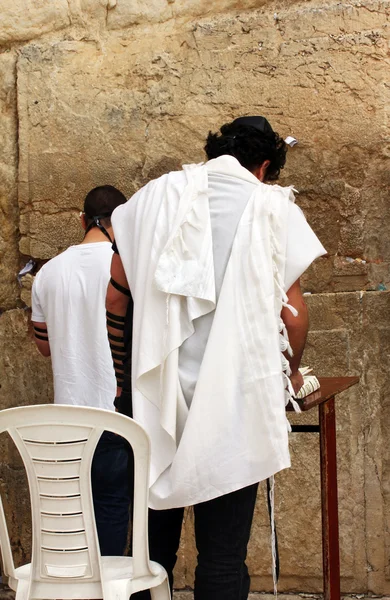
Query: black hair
[249,146]
[101,202]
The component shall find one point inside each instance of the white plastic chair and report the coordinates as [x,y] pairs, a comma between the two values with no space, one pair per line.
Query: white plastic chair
[57,443]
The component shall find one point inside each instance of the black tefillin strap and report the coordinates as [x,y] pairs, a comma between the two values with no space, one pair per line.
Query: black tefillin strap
[120,288]
[119,349]
[41,333]
[96,223]
[117,345]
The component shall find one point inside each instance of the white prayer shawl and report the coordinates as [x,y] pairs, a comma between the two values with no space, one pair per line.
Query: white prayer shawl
[235,432]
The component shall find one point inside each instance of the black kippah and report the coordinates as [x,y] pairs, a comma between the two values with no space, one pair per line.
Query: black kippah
[259,123]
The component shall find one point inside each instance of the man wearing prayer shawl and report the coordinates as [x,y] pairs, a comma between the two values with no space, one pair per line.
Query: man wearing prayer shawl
[212,255]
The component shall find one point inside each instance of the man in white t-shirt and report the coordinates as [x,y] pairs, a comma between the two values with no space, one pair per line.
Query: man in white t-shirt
[69,320]
[208,254]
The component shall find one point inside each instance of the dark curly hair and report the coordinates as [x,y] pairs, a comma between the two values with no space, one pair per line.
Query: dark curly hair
[249,146]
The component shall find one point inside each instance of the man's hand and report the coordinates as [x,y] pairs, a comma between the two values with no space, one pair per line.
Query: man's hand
[296,381]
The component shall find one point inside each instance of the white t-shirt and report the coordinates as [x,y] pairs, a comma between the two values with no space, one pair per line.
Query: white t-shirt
[69,295]
[228,197]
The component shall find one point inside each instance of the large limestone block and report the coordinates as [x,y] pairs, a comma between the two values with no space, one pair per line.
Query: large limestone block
[376,358]
[296,16]
[363,317]
[16,502]
[23,20]
[25,375]
[123,14]
[130,110]
[9,213]
[312,19]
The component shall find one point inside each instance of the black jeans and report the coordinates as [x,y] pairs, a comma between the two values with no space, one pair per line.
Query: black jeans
[112,492]
[222,531]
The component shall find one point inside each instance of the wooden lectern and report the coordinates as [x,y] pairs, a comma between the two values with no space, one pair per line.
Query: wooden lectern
[324,398]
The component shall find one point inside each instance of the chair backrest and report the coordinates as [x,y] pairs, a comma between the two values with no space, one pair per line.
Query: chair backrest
[57,443]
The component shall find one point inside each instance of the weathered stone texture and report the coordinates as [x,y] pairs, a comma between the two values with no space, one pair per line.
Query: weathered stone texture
[124,14]
[25,376]
[361,317]
[23,20]
[125,113]
[26,284]
[16,503]
[9,214]
[120,92]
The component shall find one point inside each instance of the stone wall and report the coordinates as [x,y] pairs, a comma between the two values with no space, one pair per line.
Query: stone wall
[113,91]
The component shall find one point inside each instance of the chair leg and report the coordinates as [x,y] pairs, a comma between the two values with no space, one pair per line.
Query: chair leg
[116,590]
[161,592]
[23,590]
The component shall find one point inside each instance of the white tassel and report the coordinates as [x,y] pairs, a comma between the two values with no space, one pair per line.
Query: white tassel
[273,535]
[295,405]
[283,343]
[290,391]
[286,365]
[282,297]
[292,309]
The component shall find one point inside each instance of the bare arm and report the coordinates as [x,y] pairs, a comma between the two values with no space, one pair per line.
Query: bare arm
[297,328]
[41,338]
[117,300]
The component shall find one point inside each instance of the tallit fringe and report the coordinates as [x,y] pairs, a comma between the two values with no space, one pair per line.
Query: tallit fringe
[273,534]
[281,301]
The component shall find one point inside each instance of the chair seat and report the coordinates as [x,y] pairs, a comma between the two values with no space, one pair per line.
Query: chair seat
[113,568]
[121,567]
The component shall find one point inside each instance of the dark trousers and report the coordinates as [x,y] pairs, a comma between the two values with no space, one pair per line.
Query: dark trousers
[111,490]
[222,531]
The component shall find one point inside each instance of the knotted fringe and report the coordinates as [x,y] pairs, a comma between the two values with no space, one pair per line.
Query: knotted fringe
[281,301]
[271,505]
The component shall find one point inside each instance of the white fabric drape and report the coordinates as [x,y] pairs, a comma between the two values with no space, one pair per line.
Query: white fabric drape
[235,431]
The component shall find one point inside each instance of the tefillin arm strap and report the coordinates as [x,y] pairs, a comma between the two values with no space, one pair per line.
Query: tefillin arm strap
[117,345]
[120,288]
[116,339]
[40,333]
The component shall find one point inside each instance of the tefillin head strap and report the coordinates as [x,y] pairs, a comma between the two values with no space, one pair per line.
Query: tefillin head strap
[96,223]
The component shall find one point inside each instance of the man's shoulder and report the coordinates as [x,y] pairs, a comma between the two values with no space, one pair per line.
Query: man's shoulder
[172,177]
[55,263]
[284,190]
[67,260]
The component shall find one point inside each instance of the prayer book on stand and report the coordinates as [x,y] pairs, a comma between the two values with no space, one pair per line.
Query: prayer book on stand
[310,383]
